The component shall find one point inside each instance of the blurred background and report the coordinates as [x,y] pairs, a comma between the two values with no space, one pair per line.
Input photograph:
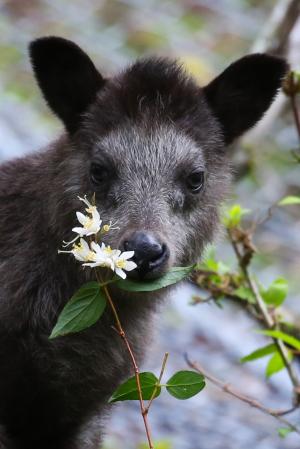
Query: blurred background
[206,36]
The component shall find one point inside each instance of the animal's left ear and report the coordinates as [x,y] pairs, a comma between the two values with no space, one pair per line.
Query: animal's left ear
[244,91]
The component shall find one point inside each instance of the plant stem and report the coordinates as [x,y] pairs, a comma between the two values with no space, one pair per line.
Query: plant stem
[122,334]
[268,319]
[163,366]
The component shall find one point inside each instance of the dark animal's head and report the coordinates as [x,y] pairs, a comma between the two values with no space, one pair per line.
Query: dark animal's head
[152,144]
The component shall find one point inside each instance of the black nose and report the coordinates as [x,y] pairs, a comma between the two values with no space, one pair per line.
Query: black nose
[149,254]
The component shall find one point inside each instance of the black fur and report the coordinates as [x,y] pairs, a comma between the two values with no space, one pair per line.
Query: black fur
[151,126]
[66,76]
[244,91]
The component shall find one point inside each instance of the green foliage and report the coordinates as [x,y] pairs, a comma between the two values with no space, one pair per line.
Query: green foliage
[259,353]
[175,275]
[245,294]
[185,384]
[157,445]
[289,200]
[83,310]
[276,293]
[233,216]
[286,338]
[284,431]
[275,364]
[129,391]
[182,385]
[88,303]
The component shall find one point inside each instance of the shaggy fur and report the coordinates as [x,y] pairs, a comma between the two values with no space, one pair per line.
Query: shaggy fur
[145,131]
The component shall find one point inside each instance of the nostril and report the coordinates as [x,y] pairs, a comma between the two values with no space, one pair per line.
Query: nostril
[126,245]
[149,253]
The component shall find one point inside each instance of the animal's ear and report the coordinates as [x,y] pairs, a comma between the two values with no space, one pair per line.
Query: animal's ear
[67,77]
[244,91]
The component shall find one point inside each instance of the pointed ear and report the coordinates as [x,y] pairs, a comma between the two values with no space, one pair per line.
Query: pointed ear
[67,78]
[244,91]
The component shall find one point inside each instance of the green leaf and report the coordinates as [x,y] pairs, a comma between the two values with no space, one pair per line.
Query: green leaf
[276,293]
[175,275]
[129,391]
[259,353]
[275,364]
[157,445]
[233,216]
[185,384]
[83,310]
[289,200]
[284,431]
[289,339]
[245,294]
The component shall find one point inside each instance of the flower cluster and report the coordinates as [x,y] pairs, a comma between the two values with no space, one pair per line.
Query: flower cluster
[93,254]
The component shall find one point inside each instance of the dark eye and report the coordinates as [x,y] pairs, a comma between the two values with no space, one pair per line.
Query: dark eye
[98,174]
[195,181]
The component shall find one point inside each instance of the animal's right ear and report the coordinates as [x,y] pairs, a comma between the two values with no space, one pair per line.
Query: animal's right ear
[67,78]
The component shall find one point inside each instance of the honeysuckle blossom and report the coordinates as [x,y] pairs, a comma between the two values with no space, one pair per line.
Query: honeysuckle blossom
[81,252]
[91,224]
[113,259]
[103,256]
[122,263]
[95,255]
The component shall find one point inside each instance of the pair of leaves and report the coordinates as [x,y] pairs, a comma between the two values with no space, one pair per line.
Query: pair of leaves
[234,215]
[276,362]
[88,304]
[183,385]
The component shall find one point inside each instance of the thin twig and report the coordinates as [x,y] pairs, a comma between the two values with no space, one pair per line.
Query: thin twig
[163,366]
[277,414]
[268,319]
[122,334]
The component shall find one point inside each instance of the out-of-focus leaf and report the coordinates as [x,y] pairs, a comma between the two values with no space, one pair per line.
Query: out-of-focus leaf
[259,353]
[284,431]
[286,338]
[157,445]
[289,200]
[276,293]
[275,364]
[232,217]
[245,293]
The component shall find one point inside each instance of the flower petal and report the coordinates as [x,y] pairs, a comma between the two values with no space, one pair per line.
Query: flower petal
[130,266]
[127,255]
[120,273]
[81,218]
[80,231]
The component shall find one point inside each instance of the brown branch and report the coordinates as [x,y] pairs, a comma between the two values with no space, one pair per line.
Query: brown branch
[277,414]
[268,319]
[121,332]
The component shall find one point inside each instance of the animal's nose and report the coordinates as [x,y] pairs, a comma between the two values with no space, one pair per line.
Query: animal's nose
[150,254]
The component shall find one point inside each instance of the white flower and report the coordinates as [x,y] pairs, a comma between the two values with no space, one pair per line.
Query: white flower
[91,224]
[82,252]
[122,263]
[103,256]
[113,259]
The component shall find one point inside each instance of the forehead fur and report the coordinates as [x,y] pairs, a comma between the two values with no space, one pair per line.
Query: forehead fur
[153,90]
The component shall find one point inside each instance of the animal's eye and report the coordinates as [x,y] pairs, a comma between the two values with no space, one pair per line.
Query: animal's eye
[195,181]
[98,173]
